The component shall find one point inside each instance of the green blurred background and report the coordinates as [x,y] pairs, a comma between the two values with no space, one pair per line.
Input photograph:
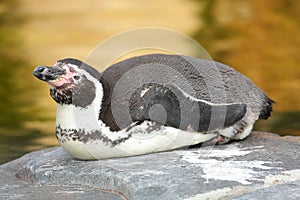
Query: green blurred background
[259,38]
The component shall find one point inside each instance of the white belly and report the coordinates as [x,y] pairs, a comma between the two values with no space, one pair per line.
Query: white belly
[140,142]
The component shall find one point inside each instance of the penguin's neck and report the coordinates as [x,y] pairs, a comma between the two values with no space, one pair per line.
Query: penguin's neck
[79,118]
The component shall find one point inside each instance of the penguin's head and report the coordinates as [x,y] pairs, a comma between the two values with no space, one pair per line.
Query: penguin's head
[71,81]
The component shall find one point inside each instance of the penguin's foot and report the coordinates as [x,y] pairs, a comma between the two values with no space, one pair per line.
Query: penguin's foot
[220,139]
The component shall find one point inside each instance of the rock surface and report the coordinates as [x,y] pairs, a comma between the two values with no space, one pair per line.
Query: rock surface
[263,166]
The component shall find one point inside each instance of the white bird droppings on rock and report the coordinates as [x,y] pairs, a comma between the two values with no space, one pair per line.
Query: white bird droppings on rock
[230,170]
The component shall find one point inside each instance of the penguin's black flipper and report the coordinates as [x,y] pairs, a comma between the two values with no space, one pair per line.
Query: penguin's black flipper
[169,106]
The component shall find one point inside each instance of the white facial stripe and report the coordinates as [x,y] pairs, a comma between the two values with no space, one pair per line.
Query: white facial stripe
[99,89]
[71,65]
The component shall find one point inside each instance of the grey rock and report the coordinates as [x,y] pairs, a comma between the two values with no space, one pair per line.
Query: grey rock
[277,192]
[263,165]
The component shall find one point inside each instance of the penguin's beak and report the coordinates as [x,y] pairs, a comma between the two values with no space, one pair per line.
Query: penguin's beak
[49,74]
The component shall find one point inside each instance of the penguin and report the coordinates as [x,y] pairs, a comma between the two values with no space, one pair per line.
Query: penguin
[150,103]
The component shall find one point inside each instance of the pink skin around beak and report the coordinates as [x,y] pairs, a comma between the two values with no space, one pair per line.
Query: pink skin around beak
[67,78]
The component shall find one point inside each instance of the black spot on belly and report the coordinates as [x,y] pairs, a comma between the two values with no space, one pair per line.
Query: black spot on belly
[82,136]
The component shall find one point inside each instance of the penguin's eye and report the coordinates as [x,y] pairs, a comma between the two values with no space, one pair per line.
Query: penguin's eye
[76,77]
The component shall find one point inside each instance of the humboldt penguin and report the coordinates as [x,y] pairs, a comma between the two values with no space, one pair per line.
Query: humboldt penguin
[150,103]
